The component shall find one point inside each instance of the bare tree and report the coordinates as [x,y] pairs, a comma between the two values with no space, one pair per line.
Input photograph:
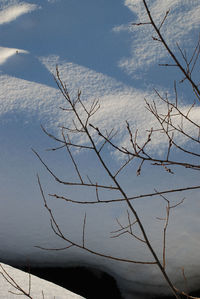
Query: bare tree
[19,290]
[171,124]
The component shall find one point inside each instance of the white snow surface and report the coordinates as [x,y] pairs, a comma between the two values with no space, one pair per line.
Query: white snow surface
[101,54]
[39,288]
[12,12]
[177,26]
[6,53]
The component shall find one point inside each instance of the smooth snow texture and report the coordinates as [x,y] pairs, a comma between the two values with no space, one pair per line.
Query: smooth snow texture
[39,288]
[6,53]
[99,54]
[180,26]
[11,13]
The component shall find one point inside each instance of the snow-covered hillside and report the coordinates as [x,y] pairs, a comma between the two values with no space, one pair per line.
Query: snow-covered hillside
[99,52]
[14,282]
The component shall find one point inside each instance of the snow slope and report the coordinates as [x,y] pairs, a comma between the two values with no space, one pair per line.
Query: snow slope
[99,52]
[39,288]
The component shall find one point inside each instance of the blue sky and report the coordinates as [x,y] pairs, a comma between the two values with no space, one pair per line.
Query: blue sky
[99,52]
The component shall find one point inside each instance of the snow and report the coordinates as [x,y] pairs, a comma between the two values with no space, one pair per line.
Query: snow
[177,28]
[101,54]
[39,288]
[6,53]
[12,12]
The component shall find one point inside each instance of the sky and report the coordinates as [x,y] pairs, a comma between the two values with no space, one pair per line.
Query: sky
[99,52]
